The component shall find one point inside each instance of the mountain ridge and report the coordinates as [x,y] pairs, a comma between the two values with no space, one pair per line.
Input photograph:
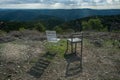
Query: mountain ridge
[63,14]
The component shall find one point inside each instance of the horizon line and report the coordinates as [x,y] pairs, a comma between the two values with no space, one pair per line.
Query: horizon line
[56,9]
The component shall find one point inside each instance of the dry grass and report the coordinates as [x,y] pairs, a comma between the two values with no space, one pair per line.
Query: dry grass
[17,57]
[99,62]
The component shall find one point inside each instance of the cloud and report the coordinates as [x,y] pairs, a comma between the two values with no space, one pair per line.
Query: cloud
[60,4]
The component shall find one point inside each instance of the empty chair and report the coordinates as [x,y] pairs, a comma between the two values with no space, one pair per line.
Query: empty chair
[73,41]
[51,36]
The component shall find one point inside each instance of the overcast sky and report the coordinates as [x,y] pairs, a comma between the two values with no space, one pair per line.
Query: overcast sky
[59,4]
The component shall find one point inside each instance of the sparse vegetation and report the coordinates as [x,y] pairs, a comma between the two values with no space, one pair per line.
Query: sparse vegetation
[2,32]
[58,48]
[99,62]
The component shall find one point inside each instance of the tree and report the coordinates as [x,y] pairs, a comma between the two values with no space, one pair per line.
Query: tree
[39,26]
[95,24]
[92,24]
[69,31]
[58,29]
[85,25]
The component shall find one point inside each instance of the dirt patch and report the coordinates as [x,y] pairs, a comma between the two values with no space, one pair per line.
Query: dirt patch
[17,57]
[14,52]
[99,62]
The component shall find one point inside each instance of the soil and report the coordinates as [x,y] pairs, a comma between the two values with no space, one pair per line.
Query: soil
[98,62]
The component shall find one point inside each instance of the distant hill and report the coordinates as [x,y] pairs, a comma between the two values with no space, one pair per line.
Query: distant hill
[111,22]
[57,14]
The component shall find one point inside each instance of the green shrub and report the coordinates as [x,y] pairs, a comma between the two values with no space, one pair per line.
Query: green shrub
[2,32]
[58,29]
[40,27]
[93,24]
[21,29]
[59,47]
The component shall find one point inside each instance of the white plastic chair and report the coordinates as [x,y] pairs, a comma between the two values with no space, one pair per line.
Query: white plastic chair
[51,36]
[52,39]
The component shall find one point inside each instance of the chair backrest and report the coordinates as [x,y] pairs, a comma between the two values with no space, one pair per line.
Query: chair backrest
[77,36]
[51,36]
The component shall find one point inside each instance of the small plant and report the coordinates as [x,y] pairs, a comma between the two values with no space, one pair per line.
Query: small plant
[58,48]
[116,43]
[108,43]
[21,29]
[2,32]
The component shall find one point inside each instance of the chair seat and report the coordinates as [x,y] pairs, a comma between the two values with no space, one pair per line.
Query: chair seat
[74,40]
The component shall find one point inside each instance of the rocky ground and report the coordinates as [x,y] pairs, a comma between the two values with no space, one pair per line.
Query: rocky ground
[100,60]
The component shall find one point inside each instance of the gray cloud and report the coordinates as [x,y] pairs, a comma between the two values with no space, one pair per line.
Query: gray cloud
[59,3]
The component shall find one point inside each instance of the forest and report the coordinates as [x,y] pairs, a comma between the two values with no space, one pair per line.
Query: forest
[93,23]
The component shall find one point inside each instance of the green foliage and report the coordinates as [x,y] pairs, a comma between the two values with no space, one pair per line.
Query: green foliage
[58,47]
[72,26]
[101,23]
[95,24]
[85,25]
[105,29]
[2,32]
[69,31]
[92,24]
[40,27]
[21,29]
[58,29]
[108,43]
[116,43]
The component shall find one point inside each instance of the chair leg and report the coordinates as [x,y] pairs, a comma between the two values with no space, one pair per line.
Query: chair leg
[71,47]
[67,48]
[81,55]
[75,48]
